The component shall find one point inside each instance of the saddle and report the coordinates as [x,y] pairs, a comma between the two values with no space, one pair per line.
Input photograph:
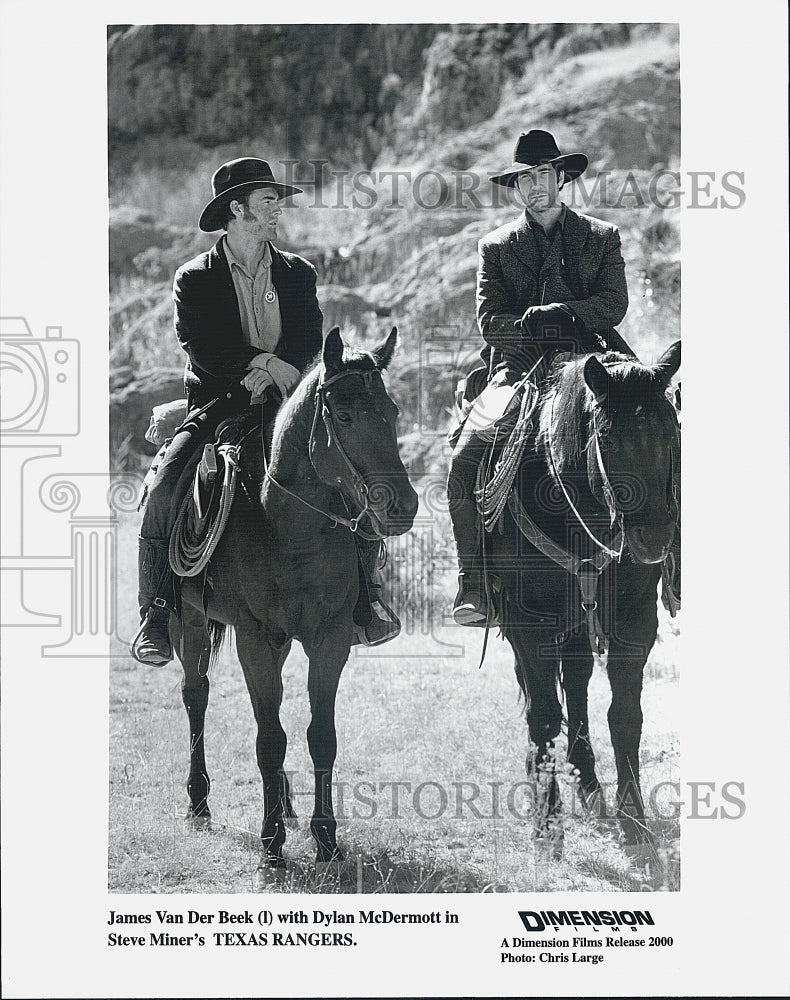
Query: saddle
[490,408]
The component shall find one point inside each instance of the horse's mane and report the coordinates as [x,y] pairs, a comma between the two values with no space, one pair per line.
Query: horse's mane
[567,404]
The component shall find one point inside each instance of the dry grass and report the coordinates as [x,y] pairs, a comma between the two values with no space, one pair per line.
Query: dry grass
[412,712]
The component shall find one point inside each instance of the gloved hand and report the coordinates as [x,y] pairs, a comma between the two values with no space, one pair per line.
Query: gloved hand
[257,381]
[282,375]
[547,322]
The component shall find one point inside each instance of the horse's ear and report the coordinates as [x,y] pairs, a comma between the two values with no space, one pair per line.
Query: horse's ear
[382,354]
[333,350]
[667,365]
[596,376]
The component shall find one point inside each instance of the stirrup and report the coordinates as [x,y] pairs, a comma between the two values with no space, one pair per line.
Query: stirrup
[472,606]
[384,625]
[469,613]
[159,654]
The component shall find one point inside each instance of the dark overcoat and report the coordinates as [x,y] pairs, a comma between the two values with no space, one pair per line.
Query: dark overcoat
[583,268]
[208,322]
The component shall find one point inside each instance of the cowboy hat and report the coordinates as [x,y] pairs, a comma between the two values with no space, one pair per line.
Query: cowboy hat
[534,148]
[233,179]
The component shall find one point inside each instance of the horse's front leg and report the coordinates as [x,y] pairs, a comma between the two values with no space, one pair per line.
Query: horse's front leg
[262,664]
[194,652]
[327,658]
[626,661]
[536,671]
[577,667]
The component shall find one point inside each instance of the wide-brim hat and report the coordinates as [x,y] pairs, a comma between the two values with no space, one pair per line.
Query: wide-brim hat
[233,179]
[534,148]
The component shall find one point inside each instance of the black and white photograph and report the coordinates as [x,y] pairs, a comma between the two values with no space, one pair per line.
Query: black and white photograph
[402,230]
[341,552]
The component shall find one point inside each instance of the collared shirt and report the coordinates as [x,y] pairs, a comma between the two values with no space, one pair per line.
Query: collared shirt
[259,306]
[552,278]
[543,239]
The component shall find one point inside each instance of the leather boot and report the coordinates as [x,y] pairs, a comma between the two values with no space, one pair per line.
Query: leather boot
[471,605]
[374,620]
[152,645]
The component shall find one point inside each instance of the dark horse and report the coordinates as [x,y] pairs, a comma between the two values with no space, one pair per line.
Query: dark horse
[580,558]
[286,568]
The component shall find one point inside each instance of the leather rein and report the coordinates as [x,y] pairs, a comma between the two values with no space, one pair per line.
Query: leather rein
[356,483]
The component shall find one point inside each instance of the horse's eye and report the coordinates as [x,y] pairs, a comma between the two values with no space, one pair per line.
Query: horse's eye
[343,416]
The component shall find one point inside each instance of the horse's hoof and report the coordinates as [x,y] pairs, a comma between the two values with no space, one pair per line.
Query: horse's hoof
[273,862]
[267,875]
[330,867]
[332,856]
[550,846]
[593,803]
[644,857]
[202,822]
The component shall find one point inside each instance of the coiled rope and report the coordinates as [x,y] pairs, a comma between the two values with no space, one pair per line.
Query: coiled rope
[492,494]
[193,539]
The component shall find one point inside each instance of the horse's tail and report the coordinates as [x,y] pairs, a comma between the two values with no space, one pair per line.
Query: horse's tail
[217,634]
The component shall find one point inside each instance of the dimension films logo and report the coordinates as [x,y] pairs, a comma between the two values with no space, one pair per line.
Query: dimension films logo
[535,920]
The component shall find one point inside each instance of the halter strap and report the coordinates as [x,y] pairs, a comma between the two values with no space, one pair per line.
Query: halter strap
[357,483]
[616,518]
[587,571]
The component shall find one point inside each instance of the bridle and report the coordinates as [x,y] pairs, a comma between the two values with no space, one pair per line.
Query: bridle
[354,484]
[586,570]
[616,517]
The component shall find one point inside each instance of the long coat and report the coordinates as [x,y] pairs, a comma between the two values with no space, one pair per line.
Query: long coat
[584,269]
[208,322]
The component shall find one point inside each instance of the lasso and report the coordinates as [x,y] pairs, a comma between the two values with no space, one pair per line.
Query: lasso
[493,493]
[194,538]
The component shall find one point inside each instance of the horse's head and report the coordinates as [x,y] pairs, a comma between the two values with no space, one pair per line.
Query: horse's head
[633,451]
[354,445]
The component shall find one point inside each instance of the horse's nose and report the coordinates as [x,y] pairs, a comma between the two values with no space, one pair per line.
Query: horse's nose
[410,504]
[650,543]
[403,507]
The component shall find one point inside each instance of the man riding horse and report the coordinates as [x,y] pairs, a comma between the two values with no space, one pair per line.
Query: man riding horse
[551,282]
[247,316]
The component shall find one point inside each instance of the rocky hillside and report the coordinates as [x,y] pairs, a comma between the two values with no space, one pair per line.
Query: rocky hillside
[351,93]
[417,98]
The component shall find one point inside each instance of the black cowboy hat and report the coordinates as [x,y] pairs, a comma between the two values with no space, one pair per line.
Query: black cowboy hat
[536,147]
[233,179]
